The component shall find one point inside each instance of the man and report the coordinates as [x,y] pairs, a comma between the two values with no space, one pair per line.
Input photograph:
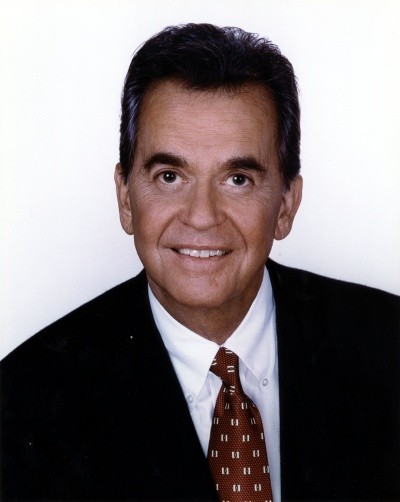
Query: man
[122,398]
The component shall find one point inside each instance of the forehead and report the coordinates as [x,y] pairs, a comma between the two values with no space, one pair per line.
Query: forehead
[173,114]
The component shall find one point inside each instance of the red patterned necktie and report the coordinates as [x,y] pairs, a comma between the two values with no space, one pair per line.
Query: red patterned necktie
[236,453]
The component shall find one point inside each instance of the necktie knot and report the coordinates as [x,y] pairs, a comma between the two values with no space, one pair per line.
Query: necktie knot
[226,366]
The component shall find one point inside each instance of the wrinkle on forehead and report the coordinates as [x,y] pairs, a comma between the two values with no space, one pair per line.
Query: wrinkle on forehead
[165,101]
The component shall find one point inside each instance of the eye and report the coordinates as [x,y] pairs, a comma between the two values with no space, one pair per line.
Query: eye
[238,180]
[168,177]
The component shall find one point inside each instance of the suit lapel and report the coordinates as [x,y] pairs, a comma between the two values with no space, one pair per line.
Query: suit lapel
[173,454]
[302,351]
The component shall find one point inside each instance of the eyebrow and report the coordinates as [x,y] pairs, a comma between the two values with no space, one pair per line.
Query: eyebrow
[249,163]
[169,159]
[164,158]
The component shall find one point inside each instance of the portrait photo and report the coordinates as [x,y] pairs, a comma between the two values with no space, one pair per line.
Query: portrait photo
[200,242]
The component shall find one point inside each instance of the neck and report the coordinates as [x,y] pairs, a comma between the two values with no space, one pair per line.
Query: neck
[213,323]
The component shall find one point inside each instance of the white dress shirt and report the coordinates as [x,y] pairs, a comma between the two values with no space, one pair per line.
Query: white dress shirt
[254,341]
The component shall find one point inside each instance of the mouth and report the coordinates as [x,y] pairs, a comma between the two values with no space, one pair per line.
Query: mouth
[201,253]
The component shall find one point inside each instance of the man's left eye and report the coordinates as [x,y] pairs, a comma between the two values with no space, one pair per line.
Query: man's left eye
[168,177]
[238,180]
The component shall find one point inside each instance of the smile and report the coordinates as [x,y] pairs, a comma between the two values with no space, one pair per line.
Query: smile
[201,253]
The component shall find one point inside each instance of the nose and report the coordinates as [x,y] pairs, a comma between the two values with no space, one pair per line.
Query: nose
[203,207]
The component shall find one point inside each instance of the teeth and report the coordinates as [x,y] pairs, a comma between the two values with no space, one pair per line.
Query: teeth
[201,253]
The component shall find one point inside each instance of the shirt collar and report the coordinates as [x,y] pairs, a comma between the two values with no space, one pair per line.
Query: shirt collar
[254,341]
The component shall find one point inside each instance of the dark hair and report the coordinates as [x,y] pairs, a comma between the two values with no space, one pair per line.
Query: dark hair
[206,57]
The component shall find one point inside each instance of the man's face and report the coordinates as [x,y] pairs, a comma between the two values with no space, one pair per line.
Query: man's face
[205,198]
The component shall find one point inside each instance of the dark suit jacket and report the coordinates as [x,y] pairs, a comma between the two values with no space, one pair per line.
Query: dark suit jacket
[92,408]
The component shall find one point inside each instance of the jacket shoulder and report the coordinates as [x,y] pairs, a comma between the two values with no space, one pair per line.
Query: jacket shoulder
[352,311]
[309,285]
[92,321]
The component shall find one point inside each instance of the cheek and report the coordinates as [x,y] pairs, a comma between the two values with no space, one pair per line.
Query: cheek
[257,217]
[151,217]
[142,205]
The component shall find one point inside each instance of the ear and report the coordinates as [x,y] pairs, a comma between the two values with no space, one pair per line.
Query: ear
[124,203]
[291,199]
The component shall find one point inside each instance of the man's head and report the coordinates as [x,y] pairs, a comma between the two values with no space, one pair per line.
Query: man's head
[204,184]
[206,57]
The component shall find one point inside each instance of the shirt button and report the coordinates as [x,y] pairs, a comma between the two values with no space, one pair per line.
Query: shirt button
[190,399]
[265,382]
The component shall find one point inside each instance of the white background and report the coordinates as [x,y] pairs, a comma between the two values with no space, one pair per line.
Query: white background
[62,68]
